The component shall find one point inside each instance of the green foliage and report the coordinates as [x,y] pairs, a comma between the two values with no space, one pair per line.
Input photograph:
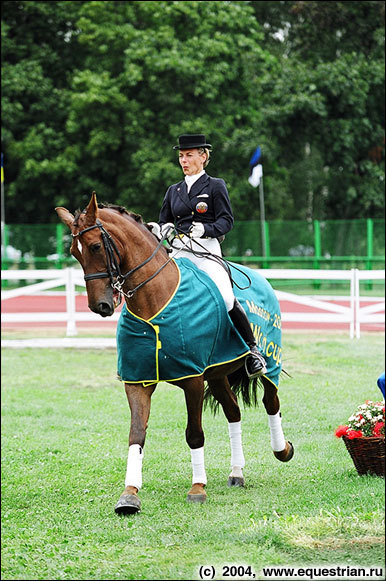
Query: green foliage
[96,93]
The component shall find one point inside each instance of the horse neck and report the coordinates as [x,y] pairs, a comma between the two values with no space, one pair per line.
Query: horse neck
[153,295]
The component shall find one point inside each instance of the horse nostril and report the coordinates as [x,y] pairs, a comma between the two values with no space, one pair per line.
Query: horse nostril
[105,309]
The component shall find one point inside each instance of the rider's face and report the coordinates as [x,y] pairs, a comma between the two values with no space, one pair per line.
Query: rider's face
[191,161]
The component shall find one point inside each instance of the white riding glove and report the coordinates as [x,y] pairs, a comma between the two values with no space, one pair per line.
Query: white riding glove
[168,230]
[197,230]
[155,229]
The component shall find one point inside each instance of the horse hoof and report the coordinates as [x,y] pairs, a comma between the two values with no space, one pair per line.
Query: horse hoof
[286,454]
[197,493]
[128,503]
[236,481]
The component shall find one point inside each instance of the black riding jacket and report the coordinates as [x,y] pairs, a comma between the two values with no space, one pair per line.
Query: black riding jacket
[207,202]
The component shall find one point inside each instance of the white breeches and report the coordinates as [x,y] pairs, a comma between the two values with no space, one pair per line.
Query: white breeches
[213,268]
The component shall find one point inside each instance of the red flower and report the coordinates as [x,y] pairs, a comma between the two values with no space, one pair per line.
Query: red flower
[351,434]
[341,431]
[379,426]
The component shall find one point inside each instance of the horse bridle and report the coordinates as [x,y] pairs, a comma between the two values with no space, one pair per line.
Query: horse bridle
[117,279]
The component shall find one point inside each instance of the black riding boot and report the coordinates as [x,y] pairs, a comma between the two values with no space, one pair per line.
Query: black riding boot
[255,364]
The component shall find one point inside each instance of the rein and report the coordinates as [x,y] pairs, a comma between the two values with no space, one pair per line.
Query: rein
[117,279]
[219,259]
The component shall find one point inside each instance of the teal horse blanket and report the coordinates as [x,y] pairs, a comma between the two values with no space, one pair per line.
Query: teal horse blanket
[194,332]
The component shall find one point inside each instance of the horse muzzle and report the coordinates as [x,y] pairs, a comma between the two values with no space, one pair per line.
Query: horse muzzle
[103,308]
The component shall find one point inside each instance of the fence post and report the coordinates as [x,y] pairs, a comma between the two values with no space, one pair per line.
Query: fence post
[59,244]
[370,248]
[267,245]
[317,244]
[357,299]
[352,304]
[70,303]
[318,251]
[4,255]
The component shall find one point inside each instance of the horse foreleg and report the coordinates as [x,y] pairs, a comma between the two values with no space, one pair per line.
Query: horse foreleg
[194,397]
[139,398]
[282,449]
[222,392]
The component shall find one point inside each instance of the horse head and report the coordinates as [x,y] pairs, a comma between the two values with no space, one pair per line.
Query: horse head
[113,246]
[88,248]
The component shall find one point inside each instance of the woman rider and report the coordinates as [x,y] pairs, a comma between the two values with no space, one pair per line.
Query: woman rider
[200,207]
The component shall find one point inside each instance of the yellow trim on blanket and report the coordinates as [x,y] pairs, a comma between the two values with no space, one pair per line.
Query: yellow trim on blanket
[270,380]
[151,382]
[165,305]
[158,342]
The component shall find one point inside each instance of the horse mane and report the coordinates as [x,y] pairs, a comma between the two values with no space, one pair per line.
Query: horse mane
[105,206]
[121,210]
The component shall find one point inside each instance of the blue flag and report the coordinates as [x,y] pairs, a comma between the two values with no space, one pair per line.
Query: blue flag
[255,168]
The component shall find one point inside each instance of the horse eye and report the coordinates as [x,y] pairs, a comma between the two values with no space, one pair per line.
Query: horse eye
[95,247]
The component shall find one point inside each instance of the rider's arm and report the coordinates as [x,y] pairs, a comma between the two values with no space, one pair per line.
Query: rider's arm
[223,215]
[166,214]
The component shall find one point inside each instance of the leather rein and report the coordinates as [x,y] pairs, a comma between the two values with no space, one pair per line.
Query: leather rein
[117,279]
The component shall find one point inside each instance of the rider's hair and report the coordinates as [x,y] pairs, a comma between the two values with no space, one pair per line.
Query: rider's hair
[202,150]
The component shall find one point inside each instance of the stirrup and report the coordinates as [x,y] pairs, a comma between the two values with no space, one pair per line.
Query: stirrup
[255,356]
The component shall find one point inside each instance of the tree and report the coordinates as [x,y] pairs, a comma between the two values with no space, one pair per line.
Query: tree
[327,105]
[131,101]
[38,55]
[96,93]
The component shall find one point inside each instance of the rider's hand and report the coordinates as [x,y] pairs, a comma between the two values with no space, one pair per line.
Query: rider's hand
[197,230]
[155,229]
[168,230]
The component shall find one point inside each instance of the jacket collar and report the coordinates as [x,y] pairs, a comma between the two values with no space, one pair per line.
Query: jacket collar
[198,185]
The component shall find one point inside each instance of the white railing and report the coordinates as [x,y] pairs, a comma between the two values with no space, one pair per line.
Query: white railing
[352,315]
[67,277]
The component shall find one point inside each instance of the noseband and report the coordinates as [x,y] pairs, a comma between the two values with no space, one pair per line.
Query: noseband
[117,279]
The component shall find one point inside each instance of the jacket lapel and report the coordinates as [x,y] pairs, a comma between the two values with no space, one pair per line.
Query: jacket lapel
[182,192]
[198,185]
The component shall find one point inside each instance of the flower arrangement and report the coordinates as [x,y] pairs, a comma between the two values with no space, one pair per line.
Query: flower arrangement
[368,421]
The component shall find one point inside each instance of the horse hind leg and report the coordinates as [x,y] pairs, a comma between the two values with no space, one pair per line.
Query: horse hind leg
[236,477]
[283,450]
[222,392]
[194,397]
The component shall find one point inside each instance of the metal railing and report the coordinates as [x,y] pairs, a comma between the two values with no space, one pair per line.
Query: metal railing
[298,244]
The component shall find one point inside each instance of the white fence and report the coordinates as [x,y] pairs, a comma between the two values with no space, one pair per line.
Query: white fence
[352,315]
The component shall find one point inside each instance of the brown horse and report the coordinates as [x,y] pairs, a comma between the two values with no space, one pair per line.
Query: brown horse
[119,255]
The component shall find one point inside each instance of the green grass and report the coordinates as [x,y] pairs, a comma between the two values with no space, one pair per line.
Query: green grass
[56,332]
[65,430]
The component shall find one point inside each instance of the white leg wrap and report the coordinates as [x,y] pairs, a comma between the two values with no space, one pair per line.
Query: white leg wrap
[237,455]
[277,436]
[198,465]
[134,466]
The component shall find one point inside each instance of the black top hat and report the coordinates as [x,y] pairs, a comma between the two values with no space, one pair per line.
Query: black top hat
[191,142]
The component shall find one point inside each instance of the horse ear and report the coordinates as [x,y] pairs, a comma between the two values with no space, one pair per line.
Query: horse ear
[91,211]
[66,217]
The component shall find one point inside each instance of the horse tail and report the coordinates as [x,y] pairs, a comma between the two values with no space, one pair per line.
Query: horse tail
[244,387]
[241,386]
